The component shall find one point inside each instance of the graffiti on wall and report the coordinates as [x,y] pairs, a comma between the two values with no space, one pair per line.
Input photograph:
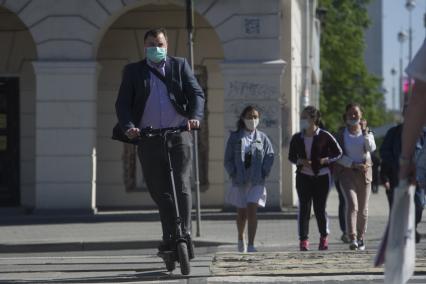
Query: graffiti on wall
[250,90]
[269,113]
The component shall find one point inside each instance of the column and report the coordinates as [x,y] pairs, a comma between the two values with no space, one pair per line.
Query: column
[258,83]
[66,136]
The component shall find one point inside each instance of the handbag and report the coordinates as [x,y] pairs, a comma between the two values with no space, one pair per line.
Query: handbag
[118,134]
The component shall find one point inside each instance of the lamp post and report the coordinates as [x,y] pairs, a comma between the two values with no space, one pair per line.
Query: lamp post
[190,29]
[410,5]
[402,37]
[393,72]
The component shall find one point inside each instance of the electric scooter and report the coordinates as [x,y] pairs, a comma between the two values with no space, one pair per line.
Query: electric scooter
[182,246]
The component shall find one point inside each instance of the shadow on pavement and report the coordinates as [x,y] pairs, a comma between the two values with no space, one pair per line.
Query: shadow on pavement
[140,275]
[64,217]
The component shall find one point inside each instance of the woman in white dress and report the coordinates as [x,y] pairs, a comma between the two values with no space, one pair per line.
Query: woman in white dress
[248,161]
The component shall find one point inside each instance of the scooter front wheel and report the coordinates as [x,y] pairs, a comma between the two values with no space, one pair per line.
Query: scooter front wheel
[182,250]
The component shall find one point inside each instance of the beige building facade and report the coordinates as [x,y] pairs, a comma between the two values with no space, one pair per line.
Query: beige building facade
[60,70]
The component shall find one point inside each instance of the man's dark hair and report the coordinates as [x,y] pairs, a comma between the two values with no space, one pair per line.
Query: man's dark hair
[155,33]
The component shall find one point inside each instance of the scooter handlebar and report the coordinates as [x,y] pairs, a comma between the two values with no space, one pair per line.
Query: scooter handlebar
[149,131]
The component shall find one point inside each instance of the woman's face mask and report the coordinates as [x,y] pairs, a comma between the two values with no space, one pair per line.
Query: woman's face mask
[353,122]
[304,123]
[251,124]
[353,116]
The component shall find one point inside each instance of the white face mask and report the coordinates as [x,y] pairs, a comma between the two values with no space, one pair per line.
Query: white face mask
[304,124]
[251,124]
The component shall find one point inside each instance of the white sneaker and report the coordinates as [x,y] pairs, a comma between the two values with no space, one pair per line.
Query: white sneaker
[353,245]
[241,246]
[251,248]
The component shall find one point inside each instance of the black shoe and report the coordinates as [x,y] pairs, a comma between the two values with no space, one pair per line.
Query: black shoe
[361,245]
[418,237]
[345,238]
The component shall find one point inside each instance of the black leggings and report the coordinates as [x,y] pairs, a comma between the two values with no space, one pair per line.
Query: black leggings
[311,188]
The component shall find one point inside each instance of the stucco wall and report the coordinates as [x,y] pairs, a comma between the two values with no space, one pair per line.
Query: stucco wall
[71,36]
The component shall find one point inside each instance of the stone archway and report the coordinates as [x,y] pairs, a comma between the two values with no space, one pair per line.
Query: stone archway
[68,35]
[123,43]
[17,51]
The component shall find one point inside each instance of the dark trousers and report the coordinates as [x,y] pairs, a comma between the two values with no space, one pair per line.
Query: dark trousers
[342,209]
[155,169]
[312,189]
[419,202]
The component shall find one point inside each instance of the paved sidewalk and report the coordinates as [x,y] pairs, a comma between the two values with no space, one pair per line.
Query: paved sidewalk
[138,230]
[47,240]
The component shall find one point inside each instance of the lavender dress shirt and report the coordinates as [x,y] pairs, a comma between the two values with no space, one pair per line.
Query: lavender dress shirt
[159,111]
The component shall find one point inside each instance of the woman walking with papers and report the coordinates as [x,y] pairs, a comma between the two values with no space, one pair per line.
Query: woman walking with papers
[354,172]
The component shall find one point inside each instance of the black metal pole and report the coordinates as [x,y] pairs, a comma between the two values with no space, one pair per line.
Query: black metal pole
[190,27]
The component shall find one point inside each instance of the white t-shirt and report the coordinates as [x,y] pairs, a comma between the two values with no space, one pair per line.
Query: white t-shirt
[417,68]
[354,145]
[248,140]
[308,148]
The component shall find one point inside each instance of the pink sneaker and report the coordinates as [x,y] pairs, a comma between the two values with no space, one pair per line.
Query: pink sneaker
[304,245]
[323,245]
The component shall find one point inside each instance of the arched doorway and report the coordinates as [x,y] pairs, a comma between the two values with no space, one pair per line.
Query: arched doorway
[119,183]
[17,112]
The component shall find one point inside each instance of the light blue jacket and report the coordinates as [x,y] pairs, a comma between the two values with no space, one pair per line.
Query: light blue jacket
[261,163]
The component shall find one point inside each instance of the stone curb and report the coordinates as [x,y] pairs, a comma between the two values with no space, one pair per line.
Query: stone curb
[127,216]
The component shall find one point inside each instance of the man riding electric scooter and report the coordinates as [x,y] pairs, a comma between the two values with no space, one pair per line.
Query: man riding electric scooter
[159,96]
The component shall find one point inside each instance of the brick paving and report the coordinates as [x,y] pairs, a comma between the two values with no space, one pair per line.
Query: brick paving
[309,263]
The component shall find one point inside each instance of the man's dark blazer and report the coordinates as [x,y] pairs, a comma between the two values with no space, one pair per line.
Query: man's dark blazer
[389,153]
[185,93]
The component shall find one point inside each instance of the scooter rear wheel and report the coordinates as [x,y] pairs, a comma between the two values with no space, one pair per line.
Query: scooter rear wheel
[182,249]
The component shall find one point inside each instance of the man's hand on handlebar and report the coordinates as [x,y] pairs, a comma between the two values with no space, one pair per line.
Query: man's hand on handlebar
[132,133]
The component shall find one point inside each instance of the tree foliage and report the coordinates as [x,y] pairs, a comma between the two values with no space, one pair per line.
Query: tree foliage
[345,77]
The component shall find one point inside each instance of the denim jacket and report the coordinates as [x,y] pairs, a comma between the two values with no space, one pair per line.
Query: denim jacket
[261,163]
